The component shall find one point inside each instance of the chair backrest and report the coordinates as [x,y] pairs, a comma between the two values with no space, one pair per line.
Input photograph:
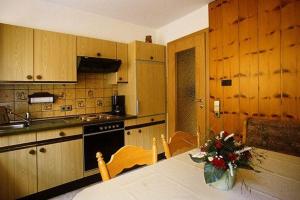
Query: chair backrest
[179,143]
[125,158]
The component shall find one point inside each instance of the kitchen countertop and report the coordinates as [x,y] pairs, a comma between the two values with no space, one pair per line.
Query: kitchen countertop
[42,125]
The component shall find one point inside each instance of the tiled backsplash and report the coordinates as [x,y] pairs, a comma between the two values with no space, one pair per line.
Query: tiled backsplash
[92,94]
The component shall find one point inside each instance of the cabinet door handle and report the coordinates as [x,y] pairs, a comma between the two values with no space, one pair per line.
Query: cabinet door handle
[151,57]
[43,150]
[39,77]
[98,54]
[128,133]
[152,120]
[120,78]
[137,107]
[140,131]
[62,134]
[29,77]
[32,152]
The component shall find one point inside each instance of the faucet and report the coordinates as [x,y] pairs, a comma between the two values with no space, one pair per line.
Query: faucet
[26,119]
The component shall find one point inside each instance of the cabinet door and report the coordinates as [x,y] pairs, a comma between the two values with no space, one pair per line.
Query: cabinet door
[122,54]
[54,57]
[18,173]
[49,166]
[150,52]
[122,75]
[72,160]
[59,163]
[16,53]
[133,137]
[96,48]
[151,89]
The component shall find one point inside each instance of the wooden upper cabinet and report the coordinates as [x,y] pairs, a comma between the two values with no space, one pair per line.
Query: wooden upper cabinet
[122,75]
[16,53]
[54,57]
[151,88]
[149,51]
[96,48]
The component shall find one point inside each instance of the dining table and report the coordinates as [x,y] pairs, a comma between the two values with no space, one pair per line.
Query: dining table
[276,176]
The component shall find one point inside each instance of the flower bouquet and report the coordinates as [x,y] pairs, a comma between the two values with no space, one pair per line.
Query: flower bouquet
[222,155]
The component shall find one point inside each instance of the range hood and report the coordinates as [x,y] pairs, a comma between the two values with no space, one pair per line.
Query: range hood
[97,65]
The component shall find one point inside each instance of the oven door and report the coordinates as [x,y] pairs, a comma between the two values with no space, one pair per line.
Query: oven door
[105,142]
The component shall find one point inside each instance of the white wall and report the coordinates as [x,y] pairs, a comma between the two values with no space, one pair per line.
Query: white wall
[183,26]
[53,17]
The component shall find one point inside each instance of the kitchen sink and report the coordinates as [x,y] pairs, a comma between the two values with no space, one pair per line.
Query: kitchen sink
[6,127]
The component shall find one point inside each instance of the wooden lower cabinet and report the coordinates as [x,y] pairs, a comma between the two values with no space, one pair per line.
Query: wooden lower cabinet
[59,163]
[18,174]
[143,136]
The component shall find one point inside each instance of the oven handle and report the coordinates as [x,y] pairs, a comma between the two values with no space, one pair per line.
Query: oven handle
[98,133]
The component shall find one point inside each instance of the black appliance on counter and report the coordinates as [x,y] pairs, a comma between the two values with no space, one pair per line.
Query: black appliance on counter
[105,137]
[118,105]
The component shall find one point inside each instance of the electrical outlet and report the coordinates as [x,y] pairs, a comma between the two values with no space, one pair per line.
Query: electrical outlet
[66,108]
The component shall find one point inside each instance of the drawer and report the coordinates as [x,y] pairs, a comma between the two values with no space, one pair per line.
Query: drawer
[17,139]
[58,133]
[130,122]
[149,119]
[150,52]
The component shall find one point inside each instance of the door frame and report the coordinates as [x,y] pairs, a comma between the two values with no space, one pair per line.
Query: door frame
[187,42]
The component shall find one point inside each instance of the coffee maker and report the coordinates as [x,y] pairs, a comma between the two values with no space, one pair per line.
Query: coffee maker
[118,104]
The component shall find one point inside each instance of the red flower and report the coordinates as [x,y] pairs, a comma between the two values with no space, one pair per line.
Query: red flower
[218,144]
[232,156]
[203,149]
[247,155]
[219,163]
[225,134]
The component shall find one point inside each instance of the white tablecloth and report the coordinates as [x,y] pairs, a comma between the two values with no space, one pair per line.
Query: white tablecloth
[180,178]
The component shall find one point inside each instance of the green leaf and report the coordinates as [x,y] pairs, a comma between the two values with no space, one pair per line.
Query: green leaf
[212,174]
[197,160]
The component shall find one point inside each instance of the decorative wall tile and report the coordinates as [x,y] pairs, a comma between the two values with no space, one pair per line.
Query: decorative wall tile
[83,99]
[21,95]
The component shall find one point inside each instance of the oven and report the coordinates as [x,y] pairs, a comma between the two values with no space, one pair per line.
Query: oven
[106,137]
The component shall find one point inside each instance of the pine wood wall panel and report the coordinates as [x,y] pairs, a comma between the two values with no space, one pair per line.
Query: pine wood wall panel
[264,65]
[215,63]
[269,58]
[248,59]
[230,60]
[290,33]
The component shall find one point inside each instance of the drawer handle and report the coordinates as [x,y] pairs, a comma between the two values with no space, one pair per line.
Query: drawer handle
[43,150]
[128,133]
[120,78]
[29,77]
[62,134]
[32,152]
[39,77]
[140,130]
[151,57]
[98,54]
[152,120]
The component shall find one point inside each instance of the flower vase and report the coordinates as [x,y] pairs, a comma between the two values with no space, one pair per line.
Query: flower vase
[226,182]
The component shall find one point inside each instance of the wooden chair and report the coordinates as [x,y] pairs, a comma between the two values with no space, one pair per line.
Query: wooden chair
[126,157]
[179,143]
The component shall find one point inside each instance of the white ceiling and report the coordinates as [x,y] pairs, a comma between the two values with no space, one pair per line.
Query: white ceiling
[150,13]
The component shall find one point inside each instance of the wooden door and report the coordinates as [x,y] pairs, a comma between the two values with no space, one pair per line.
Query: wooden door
[150,52]
[198,41]
[18,173]
[122,54]
[150,88]
[133,137]
[96,48]
[72,160]
[49,160]
[16,53]
[54,57]
[59,163]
